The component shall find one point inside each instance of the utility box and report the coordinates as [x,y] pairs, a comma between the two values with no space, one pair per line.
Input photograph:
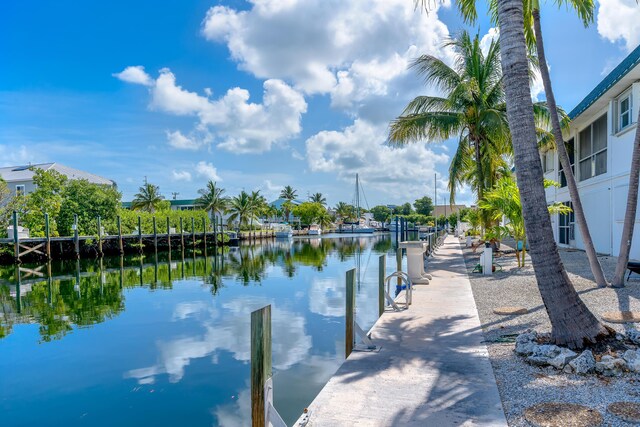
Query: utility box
[486,261]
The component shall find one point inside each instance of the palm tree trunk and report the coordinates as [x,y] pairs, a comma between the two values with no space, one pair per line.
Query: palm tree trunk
[594,263]
[572,323]
[630,214]
[480,178]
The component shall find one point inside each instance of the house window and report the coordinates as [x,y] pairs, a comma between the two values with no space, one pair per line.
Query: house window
[20,190]
[570,147]
[566,226]
[547,161]
[593,149]
[624,107]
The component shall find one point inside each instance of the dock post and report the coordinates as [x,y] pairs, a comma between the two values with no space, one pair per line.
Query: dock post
[193,232]
[204,230]
[382,267]
[399,263]
[169,236]
[16,240]
[181,234]
[47,236]
[99,237]
[349,338]
[140,233]
[260,364]
[215,231]
[155,234]
[18,291]
[76,236]
[120,247]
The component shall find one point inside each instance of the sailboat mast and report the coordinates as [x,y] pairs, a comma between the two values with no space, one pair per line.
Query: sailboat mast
[357,200]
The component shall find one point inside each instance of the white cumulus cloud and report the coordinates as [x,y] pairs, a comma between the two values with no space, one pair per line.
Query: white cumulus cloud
[400,173]
[180,175]
[208,171]
[620,20]
[237,124]
[134,74]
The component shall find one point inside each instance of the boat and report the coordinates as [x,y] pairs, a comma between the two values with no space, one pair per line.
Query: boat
[362,226]
[283,231]
[314,230]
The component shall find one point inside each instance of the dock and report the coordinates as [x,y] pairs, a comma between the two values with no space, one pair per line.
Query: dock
[432,368]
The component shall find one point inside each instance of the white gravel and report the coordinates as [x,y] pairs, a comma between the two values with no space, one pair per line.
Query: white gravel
[522,385]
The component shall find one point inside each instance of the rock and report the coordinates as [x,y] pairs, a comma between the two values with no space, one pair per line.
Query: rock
[633,360]
[563,358]
[567,369]
[510,311]
[547,350]
[627,411]
[634,336]
[610,366]
[526,343]
[538,360]
[556,414]
[584,363]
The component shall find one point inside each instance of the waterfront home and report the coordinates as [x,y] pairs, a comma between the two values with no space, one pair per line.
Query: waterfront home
[447,210]
[19,179]
[599,144]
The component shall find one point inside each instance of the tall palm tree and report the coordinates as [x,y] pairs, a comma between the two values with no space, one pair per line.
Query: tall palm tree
[288,193]
[212,199]
[148,198]
[473,109]
[257,203]
[318,198]
[344,211]
[240,208]
[572,322]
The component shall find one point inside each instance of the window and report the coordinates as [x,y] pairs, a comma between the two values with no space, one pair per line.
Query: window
[592,144]
[570,147]
[624,110]
[547,161]
[19,190]
[566,226]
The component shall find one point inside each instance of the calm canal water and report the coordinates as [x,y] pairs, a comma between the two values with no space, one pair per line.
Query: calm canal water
[166,340]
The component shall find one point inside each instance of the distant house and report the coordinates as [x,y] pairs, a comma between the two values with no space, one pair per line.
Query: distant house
[600,143]
[20,178]
[440,210]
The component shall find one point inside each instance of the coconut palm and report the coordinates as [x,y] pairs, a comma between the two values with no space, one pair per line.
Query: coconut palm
[324,220]
[572,322]
[318,198]
[288,193]
[240,209]
[344,211]
[212,199]
[257,203]
[148,198]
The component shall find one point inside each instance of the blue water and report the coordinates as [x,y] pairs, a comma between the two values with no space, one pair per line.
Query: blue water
[134,342]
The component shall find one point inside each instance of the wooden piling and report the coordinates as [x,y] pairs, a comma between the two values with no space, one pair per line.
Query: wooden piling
[193,231]
[382,267]
[76,236]
[204,232]
[140,233]
[181,234]
[100,253]
[18,285]
[47,236]
[215,231]
[399,264]
[169,237]
[349,339]
[260,363]
[120,246]
[16,240]
[155,235]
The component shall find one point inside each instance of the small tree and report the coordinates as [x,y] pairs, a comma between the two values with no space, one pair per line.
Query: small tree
[424,205]
[148,198]
[381,213]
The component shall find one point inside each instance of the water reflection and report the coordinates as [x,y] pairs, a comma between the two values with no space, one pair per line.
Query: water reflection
[168,335]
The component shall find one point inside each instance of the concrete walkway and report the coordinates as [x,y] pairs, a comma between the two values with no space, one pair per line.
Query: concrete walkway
[432,369]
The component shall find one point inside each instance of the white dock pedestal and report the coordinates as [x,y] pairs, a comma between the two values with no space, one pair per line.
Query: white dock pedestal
[469,241]
[486,261]
[415,262]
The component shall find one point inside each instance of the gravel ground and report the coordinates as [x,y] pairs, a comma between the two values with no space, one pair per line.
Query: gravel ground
[522,385]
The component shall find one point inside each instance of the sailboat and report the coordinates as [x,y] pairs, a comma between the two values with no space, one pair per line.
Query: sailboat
[361,227]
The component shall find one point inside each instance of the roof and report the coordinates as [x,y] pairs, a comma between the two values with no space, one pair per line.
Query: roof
[611,79]
[278,203]
[26,172]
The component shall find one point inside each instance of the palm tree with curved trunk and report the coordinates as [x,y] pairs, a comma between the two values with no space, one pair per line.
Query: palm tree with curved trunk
[212,199]
[147,198]
[318,198]
[344,211]
[288,193]
[571,321]
[257,203]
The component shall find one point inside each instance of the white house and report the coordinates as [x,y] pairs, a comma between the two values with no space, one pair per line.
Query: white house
[600,145]
[19,179]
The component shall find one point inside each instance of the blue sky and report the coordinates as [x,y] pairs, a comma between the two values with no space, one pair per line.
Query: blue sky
[256,95]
